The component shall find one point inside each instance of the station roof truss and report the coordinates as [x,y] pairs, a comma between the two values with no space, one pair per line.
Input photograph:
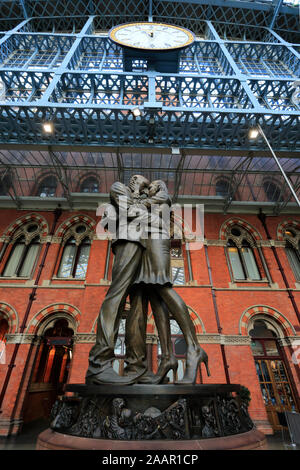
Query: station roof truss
[222,180]
[58,66]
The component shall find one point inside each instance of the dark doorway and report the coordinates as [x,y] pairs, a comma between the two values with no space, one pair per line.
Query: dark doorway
[272,372]
[50,371]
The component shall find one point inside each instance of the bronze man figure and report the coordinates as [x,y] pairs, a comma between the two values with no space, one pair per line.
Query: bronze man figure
[128,254]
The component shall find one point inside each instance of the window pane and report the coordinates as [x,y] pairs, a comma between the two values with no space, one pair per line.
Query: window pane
[180,370]
[264,394]
[258,371]
[273,192]
[288,393]
[271,393]
[180,346]
[236,265]
[222,188]
[29,260]
[47,187]
[82,263]
[250,263]
[175,329]
[65,269]
[90,185]
[117,366]
[294,260]
[271,348]
[265,371]
[119,347]
[178,276]
[14,260]
[257,348]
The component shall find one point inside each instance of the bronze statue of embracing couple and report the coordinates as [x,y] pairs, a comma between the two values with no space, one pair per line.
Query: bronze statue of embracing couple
[141,270]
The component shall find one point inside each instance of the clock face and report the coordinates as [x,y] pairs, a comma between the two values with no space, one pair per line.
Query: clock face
[151,36]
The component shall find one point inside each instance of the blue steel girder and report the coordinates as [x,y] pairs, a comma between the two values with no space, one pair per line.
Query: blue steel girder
[77,80]
[113,126]
[276,11]
[187,13]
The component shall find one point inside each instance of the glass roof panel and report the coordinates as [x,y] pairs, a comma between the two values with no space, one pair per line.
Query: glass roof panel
[244,177]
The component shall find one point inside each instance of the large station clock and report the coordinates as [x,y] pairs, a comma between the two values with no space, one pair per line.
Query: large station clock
[157,44]
[151,36]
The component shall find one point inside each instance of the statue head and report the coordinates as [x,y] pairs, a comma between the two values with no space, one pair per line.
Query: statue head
[137,183]
[118,404]
[157,185]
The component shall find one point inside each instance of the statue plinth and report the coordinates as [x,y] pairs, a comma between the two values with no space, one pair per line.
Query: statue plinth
[151,417]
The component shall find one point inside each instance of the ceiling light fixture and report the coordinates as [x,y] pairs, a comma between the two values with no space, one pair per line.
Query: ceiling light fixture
[253,133]
[48,127]
[136,112]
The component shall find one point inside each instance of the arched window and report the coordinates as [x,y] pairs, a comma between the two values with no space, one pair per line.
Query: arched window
[273,191]
[241,255]
[47,187]
[292,248]
[23,255]
[90,185]
[223,188]
[74,260]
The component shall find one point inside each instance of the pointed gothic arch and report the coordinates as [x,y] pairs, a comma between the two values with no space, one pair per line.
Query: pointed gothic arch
[11,316]
[80,218]
[229,223]
[12,230]
[282,226]
[56,309]
[284,324]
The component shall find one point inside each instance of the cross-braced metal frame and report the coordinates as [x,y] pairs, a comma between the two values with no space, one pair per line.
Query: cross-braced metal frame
[242,70]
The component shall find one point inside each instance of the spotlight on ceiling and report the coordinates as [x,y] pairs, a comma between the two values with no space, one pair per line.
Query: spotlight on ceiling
[136,112]
[48,127]
[253,133]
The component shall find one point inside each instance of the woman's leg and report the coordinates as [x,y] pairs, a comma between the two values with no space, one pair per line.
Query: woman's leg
[162,322]
[180,313]
[195,354]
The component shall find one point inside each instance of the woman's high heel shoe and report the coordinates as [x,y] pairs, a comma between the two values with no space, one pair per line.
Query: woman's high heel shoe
[194,359]
[165,366]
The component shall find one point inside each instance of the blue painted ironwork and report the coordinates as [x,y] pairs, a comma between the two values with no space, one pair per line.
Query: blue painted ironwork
[72,74]
[276,11]
[110,12]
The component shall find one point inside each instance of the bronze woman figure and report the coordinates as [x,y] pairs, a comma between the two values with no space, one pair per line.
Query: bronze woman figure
[154,276]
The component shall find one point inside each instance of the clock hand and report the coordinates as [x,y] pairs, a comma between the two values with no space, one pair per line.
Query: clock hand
[149,33]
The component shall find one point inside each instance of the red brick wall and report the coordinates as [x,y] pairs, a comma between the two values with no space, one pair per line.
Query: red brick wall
[87,295]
